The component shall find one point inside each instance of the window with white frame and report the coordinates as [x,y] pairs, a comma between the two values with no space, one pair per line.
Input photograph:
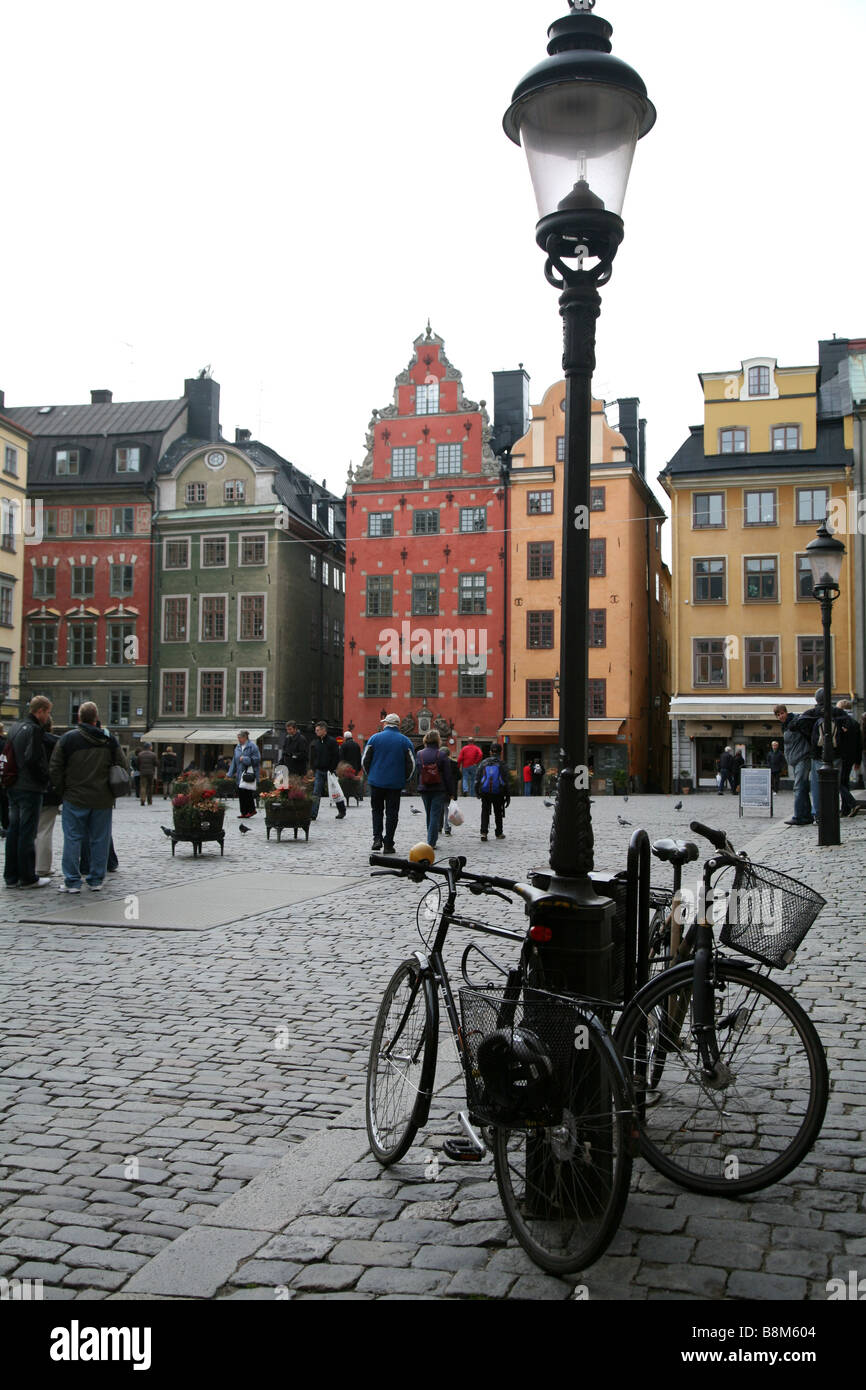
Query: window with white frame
[176,554]
[427,398]
[175,619]
[67,462]
[196,494]
[254,550]
[214,552]
[252,618]
[127,459]
[213,618]
[10,461]
[212,692]
[174,692]
[251,692]
[234,490]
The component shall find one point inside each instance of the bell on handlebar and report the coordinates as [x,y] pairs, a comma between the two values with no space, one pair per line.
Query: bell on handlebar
[422,853]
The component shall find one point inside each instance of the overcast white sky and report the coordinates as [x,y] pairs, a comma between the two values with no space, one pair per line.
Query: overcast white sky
[286,193]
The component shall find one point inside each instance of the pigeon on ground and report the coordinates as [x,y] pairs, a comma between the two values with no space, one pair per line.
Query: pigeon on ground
[550,803]
[679,806]
[623,822]
[414,810]
[625,798]
[244,829]
[165,830]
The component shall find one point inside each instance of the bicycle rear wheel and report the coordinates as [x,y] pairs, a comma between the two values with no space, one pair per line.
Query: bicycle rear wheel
[755,1122]
[402,1062]
[564,1187]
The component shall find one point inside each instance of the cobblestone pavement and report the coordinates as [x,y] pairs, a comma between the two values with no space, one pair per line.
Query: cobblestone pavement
[180,1112]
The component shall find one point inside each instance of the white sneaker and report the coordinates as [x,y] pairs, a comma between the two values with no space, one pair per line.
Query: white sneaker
[63,889]
[37,883]
[95,887]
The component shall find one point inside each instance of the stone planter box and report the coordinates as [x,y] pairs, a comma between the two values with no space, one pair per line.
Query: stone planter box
[353,789]
[288,815]
[207,826]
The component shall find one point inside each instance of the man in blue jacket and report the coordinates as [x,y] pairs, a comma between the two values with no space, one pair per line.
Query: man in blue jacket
[389,761]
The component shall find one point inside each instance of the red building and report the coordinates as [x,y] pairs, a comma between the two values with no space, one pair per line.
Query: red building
[426,555]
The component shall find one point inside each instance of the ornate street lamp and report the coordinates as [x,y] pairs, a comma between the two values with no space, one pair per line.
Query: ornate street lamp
[579,115]
[825,557]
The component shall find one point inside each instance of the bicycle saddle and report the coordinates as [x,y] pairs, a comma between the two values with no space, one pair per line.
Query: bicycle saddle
[676,851]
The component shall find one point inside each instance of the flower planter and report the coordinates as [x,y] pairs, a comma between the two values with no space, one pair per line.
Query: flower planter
[288,815]
[352,787]
[197,828]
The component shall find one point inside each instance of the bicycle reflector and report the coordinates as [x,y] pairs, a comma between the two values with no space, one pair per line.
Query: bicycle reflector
[540,933]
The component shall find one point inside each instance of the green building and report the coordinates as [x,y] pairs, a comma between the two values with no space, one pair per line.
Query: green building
[249,598]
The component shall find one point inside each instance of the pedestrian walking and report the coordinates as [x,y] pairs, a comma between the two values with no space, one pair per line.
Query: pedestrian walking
[324,756]
[389,761]
[850,748]
[726,770]
[469,757]
[79,771]
[776,762]
[537,777]
[25,745]
[134,774]
[435,783]
[491,785]
[49,812]
[798,756]
[168,766]
[527,779]
[4,795]
[350,752]
[245,765]
[738,764]
[295,754]
[147,765]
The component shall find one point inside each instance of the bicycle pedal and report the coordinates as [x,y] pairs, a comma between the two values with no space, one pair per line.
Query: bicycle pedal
[462,1151]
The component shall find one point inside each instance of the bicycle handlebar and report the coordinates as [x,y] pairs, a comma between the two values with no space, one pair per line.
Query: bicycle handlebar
[715,837]
[456,866]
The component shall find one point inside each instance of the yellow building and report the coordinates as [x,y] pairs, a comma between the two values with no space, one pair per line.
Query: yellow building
[748,492]
[629,619]
[14,525]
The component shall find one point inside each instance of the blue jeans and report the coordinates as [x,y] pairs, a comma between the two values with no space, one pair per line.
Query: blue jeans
[469,775]
[320,786]
[527,789]
[24,808]
[434,807]
[802,800]
[81,824]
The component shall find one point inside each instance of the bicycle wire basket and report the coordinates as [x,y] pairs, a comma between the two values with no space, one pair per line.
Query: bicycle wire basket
[525,1056]
[768,914]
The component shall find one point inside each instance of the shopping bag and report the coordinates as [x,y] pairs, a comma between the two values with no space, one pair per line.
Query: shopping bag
[455,815]
[281,776]
[335,791]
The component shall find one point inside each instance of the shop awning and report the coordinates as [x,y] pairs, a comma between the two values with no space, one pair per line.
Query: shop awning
[169,734]
[549,728]
[740,708]
[218,733]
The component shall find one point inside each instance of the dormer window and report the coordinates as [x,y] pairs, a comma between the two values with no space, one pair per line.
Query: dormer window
[759,381]
[234,490]
[427,398]
[67,462]
[127,459]
[733,441]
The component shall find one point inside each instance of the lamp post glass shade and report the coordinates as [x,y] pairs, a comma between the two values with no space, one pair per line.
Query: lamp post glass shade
[580,142]
[826,554]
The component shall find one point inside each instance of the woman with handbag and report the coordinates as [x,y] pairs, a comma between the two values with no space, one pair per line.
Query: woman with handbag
[246,762]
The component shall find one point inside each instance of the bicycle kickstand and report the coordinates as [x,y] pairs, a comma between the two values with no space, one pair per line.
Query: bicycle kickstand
[468,1149]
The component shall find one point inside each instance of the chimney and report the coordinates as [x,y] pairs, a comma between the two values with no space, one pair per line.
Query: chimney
[203,397]
[2,399]
[629,428]
[100,398]
[831,351]
[642,447]
[511,413]
[242,436]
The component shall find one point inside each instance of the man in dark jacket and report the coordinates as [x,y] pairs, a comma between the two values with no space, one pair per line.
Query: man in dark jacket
[350,752]
[726,769]
[491,785]
[167,770]
[324,756]
[849,750]
[798,756]
[295,753]
[147,765]
[26,738]
[79,774]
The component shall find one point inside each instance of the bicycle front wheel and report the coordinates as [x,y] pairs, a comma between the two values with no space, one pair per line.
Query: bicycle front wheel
[564,1186]
[402,1063]
[759,1115]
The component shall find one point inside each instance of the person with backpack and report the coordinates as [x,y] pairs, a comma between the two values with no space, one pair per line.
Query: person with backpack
[389,761]
[833,754]
[851,750]
[24,774]
[491,785]
[435,783]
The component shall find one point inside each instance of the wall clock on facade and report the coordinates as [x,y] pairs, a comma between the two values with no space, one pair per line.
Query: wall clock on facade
[215,459]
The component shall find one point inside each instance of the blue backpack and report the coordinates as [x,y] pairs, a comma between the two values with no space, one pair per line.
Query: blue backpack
[493,780]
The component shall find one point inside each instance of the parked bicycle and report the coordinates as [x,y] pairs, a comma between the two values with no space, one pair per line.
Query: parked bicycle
[546,1088]
[729,1073]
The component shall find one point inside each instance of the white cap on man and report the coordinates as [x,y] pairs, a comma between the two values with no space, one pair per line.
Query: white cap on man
[392,719]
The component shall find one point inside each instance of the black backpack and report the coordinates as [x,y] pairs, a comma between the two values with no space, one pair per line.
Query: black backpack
[8,766]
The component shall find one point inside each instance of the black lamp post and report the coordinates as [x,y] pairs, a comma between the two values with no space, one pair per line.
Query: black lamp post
[579,115]
[825,556]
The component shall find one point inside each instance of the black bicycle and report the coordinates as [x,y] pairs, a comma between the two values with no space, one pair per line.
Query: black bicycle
[546,1088]
[729,1073]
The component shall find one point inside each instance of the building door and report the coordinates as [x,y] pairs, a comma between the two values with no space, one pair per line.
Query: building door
[707,754]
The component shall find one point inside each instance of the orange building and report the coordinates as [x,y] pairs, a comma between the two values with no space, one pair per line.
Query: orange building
[630,586]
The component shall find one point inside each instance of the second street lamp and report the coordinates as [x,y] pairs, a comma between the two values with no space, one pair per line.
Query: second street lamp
[579,115]
[825,557]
